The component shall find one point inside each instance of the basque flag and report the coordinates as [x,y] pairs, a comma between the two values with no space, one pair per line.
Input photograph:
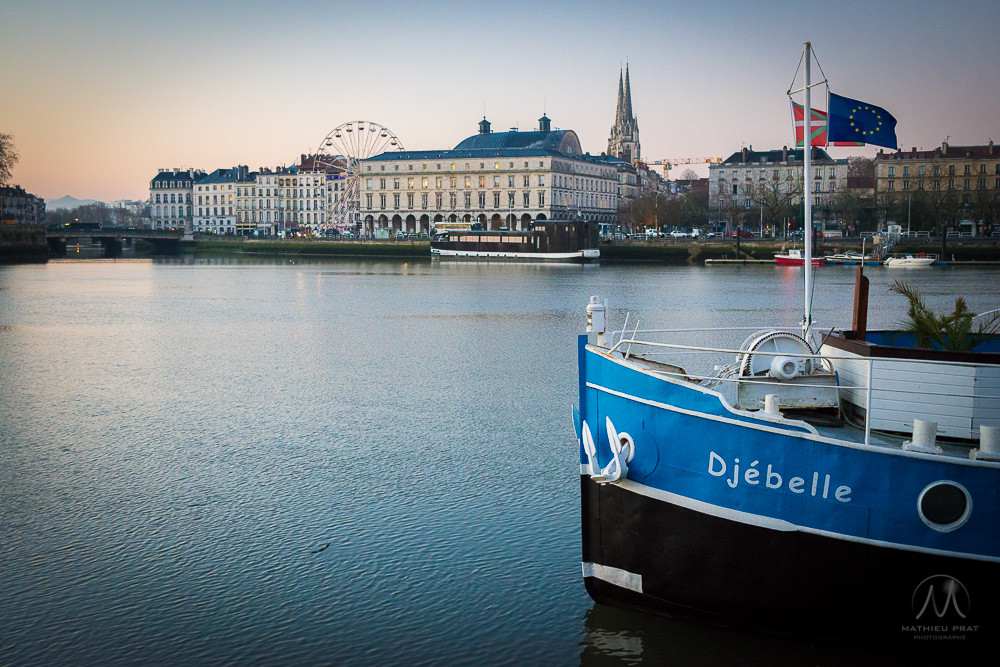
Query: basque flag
[853,120]
[817,125]
[817,128]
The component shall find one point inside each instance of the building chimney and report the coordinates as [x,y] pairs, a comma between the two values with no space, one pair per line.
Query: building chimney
[784,153]
[991,147]
[744,154]
[944,148]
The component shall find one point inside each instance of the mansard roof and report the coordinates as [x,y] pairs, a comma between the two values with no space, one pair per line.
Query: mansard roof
[560,141]
[944,151]
[220,176]
[557,143]
[750,156]
[178,174]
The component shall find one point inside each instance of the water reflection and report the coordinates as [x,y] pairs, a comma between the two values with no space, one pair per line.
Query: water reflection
[613,636]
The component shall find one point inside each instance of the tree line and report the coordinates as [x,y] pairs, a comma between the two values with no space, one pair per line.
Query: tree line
[99,214]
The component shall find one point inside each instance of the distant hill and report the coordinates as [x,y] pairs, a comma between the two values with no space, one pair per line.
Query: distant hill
[66,202]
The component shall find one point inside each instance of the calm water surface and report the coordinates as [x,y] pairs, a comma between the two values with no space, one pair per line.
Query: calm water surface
[253,462]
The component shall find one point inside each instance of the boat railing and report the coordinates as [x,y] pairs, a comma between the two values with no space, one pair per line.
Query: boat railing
[653,349]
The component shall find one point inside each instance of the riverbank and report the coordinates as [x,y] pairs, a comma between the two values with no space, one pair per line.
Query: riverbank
[751,251]
[675,253]
[20,244]
[311,248]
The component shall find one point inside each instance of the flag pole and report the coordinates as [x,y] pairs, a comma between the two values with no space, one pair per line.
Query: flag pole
[807,196]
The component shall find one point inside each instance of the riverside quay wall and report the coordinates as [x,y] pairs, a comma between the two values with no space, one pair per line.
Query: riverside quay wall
[23,243]
[668,251]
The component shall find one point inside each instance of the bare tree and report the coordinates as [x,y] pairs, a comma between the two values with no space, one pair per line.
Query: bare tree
[774,197]
[8,157]
[861,172]
[850,204]
[884,205]
[732,209]
[696,209]
[987,205]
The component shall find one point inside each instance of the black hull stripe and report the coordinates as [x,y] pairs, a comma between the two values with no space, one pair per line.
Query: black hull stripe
[770,523]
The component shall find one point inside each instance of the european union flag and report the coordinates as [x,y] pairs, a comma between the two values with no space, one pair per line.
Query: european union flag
[852,120]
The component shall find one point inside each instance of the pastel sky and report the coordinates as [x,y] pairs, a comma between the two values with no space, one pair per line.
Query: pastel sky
[99,94]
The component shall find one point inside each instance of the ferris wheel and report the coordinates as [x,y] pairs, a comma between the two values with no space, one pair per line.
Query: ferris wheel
[340,153]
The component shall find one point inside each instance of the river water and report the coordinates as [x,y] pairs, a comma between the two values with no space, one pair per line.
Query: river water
[339,462]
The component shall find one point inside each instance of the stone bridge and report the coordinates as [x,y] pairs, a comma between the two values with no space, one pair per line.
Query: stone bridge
[164,241]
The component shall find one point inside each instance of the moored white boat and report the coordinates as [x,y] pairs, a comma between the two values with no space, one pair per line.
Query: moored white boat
[852,257]
[909,260]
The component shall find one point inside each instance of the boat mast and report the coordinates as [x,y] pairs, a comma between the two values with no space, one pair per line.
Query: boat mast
[807,196]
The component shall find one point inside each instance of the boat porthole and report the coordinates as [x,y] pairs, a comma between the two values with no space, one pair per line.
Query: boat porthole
[944,506]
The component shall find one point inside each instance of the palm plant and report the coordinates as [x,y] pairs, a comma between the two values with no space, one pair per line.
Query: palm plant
[956,332]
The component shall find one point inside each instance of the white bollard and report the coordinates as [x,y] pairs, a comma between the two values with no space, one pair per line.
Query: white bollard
[772,402]
[924,434]
[596,319]
[989,440]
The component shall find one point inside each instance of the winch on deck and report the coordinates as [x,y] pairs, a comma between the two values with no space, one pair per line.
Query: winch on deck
[777,363]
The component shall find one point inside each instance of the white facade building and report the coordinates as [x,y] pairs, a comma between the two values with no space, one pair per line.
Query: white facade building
[170,196]
[499,180]
[747,176]
[215,202]
[271,202]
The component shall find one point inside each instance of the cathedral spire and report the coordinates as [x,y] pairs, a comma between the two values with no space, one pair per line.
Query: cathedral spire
[628,95]
[624,140]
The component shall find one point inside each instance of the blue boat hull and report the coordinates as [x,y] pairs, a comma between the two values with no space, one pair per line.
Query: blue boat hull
[727,515]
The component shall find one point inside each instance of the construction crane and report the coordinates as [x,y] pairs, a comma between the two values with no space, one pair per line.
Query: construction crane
[669,163]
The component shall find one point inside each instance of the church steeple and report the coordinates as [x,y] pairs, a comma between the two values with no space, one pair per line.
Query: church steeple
[628,95]
[624,140]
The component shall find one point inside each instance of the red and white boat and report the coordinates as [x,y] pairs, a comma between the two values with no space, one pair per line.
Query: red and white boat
[794,257]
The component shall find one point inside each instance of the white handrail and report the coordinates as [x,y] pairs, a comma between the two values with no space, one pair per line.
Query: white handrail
[804,355]
[867,387]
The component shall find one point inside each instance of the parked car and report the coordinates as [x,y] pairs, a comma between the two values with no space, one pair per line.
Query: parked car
[744,234]
[677,234]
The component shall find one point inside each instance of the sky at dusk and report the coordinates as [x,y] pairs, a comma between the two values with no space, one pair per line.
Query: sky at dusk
[100,94]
